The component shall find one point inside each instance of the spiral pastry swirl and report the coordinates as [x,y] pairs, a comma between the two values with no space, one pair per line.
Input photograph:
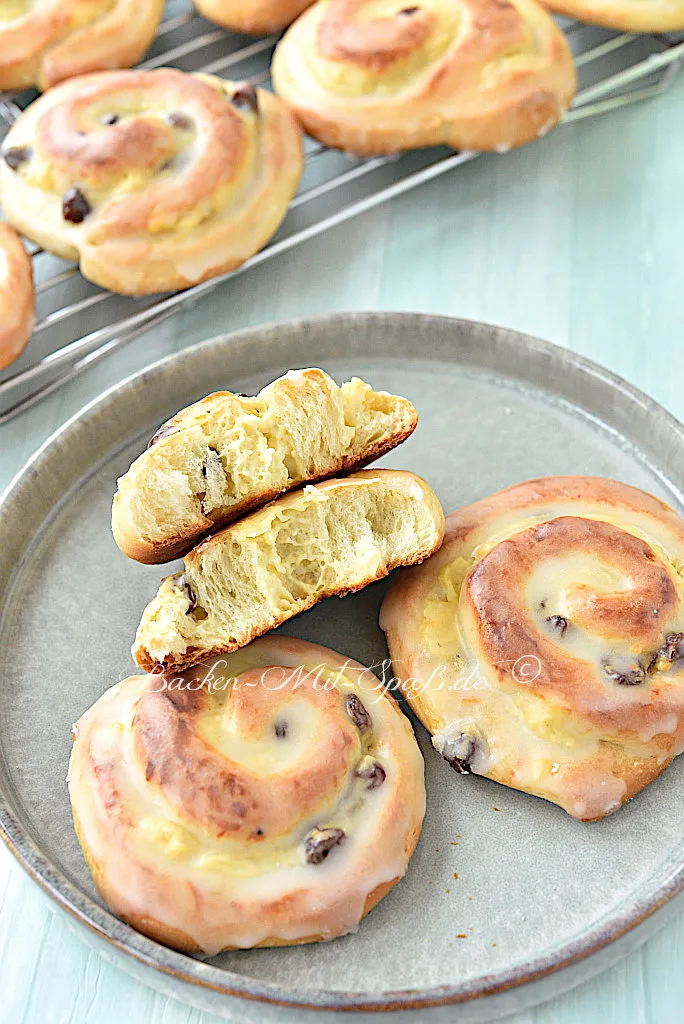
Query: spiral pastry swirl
[258,17]
[17,296]
[543,645]
[154,180]
[625,15]
[379,76]
[267,798]
[43,42]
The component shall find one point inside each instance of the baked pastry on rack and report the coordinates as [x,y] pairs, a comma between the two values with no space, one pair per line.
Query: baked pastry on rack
[152,180]
[42,42]
[268,799]
[543,645]
[624,15]
[327,539]
[229,454]
[470,74]
[17,296]
[255,17]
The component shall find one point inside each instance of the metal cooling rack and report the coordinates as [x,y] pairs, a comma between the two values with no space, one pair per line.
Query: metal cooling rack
[78,324]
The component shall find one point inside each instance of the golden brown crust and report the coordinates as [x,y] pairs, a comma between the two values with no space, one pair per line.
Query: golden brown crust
[175,873]
[59,39]
[624,15]
[563,675]
[17,297]
[476,74]
[178,177]
[257,18]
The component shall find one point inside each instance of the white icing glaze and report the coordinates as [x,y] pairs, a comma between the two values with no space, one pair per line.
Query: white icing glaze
[226,892]
[581,739]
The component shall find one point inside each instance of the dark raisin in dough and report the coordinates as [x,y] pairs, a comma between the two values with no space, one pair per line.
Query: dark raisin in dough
[15,156]
[246,97]
[375,775]
[75,206]
[319,843]
[357,713]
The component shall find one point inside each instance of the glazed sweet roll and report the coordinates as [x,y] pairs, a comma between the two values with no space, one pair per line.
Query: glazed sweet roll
[43,42]
[17,296]
[152,180]
[269,798]
[380,76]
[543,645]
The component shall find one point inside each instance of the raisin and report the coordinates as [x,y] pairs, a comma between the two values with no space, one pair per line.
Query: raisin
[558,622]
[182,584]
[164,431]
[217,461]
[319,843]
[75,206]
[15,156]
[375,775]
[459,753]
[671,650]
[180,120]
[358,713]
[246,98]
[630,677]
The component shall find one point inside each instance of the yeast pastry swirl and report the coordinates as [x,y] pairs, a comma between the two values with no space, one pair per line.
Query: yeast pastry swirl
[43,42]
[549,635]
[256,17]
[154,180]
[624,15]
[17,296]
[379,76]
[272,797]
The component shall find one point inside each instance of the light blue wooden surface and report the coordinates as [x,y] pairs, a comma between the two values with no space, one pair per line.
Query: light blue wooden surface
[578,239]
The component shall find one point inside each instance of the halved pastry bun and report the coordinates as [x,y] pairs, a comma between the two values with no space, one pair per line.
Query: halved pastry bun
[543,645]
[270,798]
[17,296]
[329,539]
[229,454]
[381,76]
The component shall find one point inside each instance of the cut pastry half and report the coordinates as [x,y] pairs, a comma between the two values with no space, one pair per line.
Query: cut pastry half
[325,540]
[230,454]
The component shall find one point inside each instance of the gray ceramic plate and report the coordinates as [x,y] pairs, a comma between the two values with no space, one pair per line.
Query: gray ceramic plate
[541,901]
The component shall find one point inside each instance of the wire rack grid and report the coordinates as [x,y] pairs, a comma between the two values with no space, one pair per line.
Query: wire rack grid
[78,323]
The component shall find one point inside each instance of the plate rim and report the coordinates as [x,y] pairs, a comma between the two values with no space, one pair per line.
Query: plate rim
[107,927]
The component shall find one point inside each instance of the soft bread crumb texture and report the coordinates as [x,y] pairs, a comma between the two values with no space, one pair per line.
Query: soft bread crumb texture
[332,538]
[229,454]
